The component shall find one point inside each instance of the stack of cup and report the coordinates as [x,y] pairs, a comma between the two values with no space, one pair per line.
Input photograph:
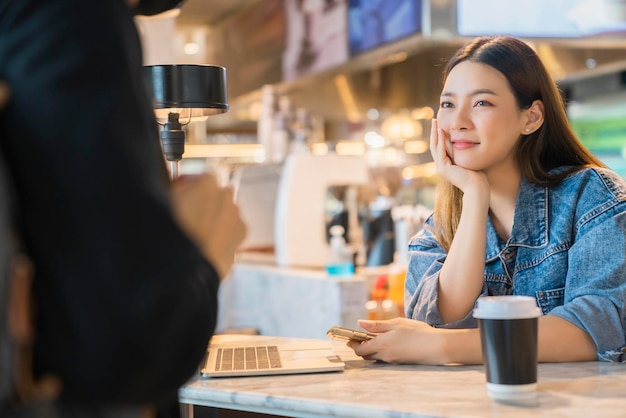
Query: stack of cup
[508,334]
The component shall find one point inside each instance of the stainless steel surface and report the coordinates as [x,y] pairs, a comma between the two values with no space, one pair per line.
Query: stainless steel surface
[173,169]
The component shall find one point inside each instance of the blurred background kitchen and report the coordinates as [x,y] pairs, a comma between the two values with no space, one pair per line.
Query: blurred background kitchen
[330,108]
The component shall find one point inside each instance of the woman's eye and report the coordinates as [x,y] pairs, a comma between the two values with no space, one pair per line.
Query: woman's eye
[482,103]
[445,105]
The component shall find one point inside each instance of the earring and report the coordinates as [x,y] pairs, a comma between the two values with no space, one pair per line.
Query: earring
[527,129]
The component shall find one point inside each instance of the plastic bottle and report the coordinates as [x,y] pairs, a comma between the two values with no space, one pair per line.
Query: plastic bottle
[397,275]
[402,217]
[339,264]
[377,295]
[265,125]
[380,306]
[302,129]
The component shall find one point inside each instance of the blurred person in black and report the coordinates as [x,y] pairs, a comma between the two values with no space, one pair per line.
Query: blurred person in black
[126,265]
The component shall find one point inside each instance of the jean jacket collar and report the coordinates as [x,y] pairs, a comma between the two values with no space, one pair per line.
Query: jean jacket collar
[532,206]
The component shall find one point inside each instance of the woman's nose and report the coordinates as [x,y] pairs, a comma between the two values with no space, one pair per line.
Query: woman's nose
[460,120]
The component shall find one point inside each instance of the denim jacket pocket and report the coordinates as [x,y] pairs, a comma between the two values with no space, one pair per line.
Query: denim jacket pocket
[550,299]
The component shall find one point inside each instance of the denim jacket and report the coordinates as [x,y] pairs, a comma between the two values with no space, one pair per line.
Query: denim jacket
[567,250]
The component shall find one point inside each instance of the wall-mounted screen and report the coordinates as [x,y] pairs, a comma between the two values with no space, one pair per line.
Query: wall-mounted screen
[372,23]
[541,18]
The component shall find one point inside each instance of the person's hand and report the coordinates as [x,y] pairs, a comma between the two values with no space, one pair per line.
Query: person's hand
[208,214]
[401,340]
[440,149]
[4,94]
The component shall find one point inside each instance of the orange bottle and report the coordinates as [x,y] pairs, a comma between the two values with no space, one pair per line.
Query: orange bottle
[377,295]
[397,275]
[381,306]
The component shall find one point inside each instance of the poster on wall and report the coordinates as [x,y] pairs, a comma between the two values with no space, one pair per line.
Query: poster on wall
[249,45]
[316,37]
[373,23]
[541,18]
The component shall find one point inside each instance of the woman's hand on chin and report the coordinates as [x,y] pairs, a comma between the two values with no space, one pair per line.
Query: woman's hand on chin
[440,149]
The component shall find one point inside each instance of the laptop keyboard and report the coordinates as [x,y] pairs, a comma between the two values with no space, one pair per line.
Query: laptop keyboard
[248,358]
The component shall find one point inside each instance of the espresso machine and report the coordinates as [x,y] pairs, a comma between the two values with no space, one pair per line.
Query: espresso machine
[300,230]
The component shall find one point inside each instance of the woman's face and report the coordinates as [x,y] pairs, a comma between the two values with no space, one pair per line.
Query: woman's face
[480,117]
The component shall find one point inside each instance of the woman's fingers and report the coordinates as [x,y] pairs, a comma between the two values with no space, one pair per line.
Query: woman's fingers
[376,326]
[438,146]
[434,126]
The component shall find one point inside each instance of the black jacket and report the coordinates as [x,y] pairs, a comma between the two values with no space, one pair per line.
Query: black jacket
[125,302]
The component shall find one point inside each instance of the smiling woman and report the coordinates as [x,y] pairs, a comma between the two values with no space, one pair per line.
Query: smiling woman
[480,113]
[522,208]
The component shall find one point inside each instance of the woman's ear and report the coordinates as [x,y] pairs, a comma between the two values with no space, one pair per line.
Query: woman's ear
[535,117]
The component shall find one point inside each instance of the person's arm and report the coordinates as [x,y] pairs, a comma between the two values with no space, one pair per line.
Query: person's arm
[126,300]
[405,340]
[421,292]
[208,214]
[462,275]
[594,295]
[557,341]
[560,340]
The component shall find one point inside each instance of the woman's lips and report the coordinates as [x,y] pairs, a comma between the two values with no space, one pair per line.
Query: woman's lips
[463,144]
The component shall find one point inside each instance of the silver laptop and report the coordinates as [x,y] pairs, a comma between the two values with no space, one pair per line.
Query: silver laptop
[253,355]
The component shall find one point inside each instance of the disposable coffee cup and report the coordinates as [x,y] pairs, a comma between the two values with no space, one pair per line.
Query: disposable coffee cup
[508,336]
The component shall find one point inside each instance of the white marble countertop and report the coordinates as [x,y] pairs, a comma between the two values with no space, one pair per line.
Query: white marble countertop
[370,389]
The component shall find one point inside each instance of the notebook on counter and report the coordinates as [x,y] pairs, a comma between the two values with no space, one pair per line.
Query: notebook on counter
[258,356]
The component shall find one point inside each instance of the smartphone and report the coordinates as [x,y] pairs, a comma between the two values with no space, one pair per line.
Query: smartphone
[346,334]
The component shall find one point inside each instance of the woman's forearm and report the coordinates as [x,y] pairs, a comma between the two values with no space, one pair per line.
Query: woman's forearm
[558,341]
[562,341]
[462,346]
[462,275]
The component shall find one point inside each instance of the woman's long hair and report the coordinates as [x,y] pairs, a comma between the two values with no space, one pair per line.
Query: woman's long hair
[553,145]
